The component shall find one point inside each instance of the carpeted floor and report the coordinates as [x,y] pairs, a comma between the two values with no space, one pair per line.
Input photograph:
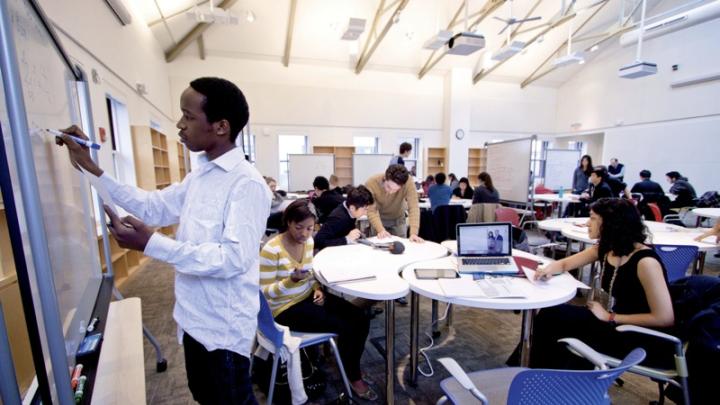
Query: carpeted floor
[478,339]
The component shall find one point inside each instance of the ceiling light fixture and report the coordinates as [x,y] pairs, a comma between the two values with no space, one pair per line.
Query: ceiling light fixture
[356,26]
[571,57]
[249,16]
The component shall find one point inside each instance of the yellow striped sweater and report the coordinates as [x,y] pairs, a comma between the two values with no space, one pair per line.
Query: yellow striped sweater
[276,266]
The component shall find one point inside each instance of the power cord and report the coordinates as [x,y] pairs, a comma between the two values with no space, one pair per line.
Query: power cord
[423,351]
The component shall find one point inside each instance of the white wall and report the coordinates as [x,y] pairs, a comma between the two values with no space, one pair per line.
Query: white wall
[647,124]
[122,56]
[332,105]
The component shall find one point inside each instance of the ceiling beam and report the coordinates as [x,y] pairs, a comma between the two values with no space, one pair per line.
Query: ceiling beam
[554,24]
[201,47]
[368,49]
[514,32]
[534,76]
[489,7]
[289,34]
[194,34]
[530,79]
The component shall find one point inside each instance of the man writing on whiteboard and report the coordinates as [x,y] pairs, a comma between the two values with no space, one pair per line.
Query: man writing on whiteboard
[222,207]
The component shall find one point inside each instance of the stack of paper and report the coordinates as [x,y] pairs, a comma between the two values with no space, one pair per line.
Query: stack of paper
[493,287]
[347,276]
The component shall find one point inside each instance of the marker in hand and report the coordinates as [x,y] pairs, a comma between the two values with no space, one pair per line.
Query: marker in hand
[77,139]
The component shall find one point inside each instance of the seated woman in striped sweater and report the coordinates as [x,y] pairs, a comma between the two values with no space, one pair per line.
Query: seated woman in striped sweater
[297,299]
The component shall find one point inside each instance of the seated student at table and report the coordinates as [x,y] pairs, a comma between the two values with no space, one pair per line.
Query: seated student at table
[452,178]
[485,192]
[297,299]
[637,294]
[335,185]
[682,188]
[616,170]
[429,181]
[392,193]
[463,190]
[714,231]
[651,193]
[325,201]
[339,228]
[277,196]
[439,193]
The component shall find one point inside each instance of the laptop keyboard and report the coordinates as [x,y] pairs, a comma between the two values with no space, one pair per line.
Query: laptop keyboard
[482,261]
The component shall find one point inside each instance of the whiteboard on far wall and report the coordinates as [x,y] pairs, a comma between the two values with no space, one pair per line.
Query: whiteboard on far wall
[366,166]
[508,163]
[560,165]
[303,168]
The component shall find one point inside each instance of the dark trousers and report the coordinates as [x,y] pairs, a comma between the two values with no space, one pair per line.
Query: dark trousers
[579,322]
[217,377]
[335,316]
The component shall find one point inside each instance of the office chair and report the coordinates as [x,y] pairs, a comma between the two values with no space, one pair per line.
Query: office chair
[505,214]
[268,328]
[519,385]
[676,258]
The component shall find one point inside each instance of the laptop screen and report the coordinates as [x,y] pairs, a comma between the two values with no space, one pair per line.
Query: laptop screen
[484,239]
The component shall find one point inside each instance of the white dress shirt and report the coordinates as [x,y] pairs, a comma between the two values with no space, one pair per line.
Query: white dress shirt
[222,208]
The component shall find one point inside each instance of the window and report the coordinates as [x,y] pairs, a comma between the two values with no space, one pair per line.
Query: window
[246,140]
[414,160]
[578,145]
[537,160]
[289,144]
[366,144]
[121,141]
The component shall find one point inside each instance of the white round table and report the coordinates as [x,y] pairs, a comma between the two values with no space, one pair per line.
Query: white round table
[387,286]
[466,203]
[707,212]
[557,224]
[559,290]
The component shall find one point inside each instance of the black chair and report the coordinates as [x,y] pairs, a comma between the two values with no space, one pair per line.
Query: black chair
[445,218]
[426,230]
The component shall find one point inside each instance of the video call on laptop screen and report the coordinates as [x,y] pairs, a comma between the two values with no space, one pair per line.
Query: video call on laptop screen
[490,239]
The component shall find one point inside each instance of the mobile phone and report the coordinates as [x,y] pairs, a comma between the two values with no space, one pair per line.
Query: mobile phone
[434,274]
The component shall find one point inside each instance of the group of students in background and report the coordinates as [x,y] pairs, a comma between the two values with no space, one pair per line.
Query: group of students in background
[440,193]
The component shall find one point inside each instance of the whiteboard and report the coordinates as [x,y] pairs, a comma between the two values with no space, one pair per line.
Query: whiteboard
[508,163]
[303,168]
[560,165]
[51,101]
[366,166]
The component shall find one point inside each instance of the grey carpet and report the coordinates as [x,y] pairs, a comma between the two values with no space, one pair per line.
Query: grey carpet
[479,339]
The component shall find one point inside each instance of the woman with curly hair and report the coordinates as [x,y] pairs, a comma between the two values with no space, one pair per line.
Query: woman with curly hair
[635,285]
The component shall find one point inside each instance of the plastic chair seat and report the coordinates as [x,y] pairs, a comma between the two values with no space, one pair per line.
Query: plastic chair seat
[310,339]
[667,375]
[493,384]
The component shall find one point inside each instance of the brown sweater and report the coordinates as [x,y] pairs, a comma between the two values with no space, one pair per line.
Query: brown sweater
[390,206]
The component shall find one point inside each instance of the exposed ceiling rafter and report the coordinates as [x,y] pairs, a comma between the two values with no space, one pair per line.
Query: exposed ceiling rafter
[374,39]
[201,47]
[613,32]
[489,7]
[289,34]
[193,35]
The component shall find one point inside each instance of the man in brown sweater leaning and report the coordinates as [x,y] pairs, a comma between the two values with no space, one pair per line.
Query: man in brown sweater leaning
[391,191]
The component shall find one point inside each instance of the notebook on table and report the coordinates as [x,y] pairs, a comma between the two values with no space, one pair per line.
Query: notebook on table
[485,247]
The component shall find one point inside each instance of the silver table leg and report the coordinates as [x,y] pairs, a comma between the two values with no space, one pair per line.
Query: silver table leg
[414,335]
[390,351]
[528,315]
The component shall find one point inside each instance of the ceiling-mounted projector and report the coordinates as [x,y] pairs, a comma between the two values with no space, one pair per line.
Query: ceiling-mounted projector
[355,28]
[213,15]
[570,59]
[637,69]
[465,43]
[508,51]
[439,40]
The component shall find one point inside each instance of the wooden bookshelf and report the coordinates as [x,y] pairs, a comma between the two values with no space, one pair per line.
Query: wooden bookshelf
[436,161]
[477,162]
[181,160]
[124,261]
[343,161]
[161,160]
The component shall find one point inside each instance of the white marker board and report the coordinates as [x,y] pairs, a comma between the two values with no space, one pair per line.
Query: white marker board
[366,166]
[303,168]
[559,167]
[509,166]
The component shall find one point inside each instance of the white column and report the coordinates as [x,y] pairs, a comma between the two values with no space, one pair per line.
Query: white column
[456,116]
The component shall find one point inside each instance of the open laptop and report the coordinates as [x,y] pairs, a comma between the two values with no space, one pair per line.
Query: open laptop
[485,248]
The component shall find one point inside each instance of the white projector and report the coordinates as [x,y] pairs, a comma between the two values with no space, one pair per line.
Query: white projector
[573,58]
[508,51]
[465,43]
[216,15]
[637,69]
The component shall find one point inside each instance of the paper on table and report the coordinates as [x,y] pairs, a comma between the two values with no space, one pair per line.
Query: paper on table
[491,287]
[347,276]
[530,274]
[101,190]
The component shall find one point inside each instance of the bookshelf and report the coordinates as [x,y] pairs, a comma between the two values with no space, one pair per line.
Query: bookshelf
[124,261]
[436,160]
[161,161]
[343,161]
[181,160]
[477,162]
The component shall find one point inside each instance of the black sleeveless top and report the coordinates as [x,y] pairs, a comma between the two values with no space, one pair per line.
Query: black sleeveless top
[628,291]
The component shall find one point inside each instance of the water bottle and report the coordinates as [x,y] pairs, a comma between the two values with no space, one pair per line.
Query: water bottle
[561,191]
